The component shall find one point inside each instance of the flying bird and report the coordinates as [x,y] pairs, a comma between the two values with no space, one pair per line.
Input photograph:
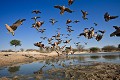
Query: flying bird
[70,2]
[36,11]
[42,30]
[107,17]
[85,13]
[39,24]
[95,24]
[76,21]
[68,21]
[53,21]
[99,37]
[102,31]
[35,18]
[63,9]
[39,44]
[15,25]
[116,33]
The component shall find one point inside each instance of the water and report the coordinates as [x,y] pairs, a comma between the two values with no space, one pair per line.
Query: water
[30,70]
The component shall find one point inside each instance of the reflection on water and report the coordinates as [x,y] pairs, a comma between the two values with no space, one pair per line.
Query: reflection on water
[95,57]
[31,70]
[110,57]
[14,69]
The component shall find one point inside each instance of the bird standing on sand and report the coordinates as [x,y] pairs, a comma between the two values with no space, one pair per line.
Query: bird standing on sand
[107,17]
[63,9]
[12,28]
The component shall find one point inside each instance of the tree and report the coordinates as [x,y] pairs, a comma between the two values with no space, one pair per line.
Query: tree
[94,49]
[80,47]
[109,48]
[15,43]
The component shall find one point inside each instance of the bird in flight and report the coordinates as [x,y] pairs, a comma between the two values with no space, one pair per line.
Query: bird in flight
[70,2]
[36,11]
[53,21]
[116,33]
[85,13]
[63,9]
[76,21]
[15,25]
[35,18]
[107,17]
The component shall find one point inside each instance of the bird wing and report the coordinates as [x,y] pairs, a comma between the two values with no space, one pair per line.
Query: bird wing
[68,10]
[82,11]
[113,17]
[16,24]
[57,6]
[116,27]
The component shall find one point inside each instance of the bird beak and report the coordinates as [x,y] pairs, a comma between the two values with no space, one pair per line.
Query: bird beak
[13,33]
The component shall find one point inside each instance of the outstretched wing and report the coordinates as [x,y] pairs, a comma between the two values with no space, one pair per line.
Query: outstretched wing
[17,23]
[68,10]
[82,11]
[116,27]
[57,6]
[113,17]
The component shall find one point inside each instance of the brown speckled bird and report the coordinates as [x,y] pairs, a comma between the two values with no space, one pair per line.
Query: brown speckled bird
[70,2]
[15,25]
[63,9]
[68,21]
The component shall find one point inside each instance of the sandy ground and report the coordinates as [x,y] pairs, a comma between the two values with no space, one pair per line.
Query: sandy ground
[10,58]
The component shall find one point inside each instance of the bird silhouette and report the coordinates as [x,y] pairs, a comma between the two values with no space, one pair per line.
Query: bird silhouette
[53,21]
[68,21]
[70,2]
[85,13]
[36,11]
[63,9]
[116,33]
[95,24]
[107,17]
[35,18]
[76,21]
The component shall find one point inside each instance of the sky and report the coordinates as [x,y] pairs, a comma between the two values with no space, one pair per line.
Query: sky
[12,10]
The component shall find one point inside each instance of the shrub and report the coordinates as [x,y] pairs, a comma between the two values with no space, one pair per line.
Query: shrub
[94,49]
[109,48]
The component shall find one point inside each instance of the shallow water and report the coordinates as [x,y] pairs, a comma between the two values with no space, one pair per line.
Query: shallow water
[30,70]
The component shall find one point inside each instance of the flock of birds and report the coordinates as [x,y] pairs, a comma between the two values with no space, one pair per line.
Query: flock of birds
[88,33]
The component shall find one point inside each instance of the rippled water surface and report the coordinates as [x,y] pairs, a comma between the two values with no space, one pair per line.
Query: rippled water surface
[30,70]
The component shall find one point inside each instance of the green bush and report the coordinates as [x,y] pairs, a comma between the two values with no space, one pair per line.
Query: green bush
[109,48]
[94,49]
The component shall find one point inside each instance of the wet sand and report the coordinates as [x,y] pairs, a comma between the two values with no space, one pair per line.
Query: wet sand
[11,58]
